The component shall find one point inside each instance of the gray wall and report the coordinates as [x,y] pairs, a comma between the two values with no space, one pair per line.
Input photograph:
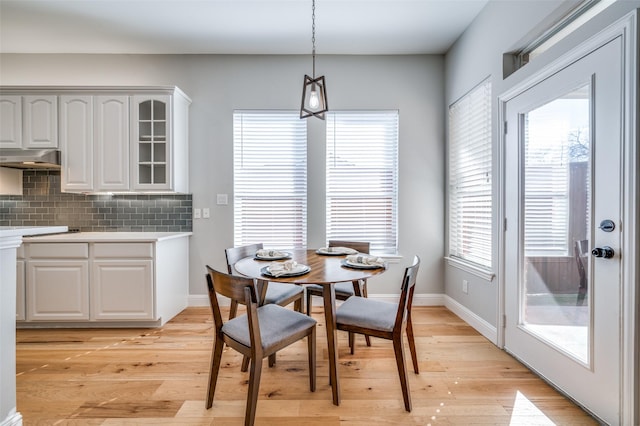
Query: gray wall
[502,27]
[218,84]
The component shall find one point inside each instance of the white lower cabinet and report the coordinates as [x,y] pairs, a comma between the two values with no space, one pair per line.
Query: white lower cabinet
[57,290]
[57,282]
[103,283]
[122,281]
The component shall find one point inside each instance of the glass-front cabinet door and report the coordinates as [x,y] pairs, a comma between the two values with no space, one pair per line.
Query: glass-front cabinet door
[152,142]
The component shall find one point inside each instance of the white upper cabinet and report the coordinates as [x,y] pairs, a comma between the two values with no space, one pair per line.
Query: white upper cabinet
[40,121]
[10,121]
[29,121]
[151,142]
[111,142]
[76,143]
[112,139]
[160,142]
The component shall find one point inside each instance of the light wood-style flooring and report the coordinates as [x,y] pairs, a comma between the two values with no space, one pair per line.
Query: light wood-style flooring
[159,377]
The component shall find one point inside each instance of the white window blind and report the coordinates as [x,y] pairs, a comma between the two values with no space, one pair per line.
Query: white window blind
[470,177]
[546,200]
[270,179]
[362,178]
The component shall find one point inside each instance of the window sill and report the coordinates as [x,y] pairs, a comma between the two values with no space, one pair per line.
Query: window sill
[389,257]
[472,269]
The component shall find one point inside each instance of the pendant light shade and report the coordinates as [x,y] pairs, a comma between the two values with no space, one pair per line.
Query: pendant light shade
[314,98]
[314,90]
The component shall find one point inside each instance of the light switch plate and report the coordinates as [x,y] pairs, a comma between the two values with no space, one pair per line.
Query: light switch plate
[205,213]
[222,199]
[197,213]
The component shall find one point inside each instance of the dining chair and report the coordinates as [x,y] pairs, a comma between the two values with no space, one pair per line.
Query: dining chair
[276,293]
[386,320]
[347,289]
[260,332]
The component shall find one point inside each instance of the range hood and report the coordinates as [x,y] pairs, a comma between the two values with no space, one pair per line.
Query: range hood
[48,159]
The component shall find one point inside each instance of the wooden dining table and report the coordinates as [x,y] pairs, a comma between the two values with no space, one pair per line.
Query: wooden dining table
[326,270]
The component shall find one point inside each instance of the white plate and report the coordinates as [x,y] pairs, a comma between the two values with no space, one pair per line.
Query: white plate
[335,253]
[286,255]
[357,265]
[265,271]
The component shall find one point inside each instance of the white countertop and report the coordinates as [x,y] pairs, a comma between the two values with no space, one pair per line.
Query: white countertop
[15,231]
[106,237]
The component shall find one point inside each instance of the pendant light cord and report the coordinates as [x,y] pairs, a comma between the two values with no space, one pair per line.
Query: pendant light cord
[313,36]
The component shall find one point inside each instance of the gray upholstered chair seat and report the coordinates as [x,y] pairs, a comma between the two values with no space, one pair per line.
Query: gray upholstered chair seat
[367,313]
[278,293]
[342,289]
[276,324]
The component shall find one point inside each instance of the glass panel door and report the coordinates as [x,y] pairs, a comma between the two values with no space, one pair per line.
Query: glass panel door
[152,142]
[557,190]
[563,179]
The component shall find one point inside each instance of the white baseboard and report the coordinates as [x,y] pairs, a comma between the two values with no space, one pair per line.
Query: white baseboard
[201,300]
[13,418]
[481,326]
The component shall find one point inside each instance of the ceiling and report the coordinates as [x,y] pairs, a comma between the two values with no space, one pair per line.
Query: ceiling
[233,26]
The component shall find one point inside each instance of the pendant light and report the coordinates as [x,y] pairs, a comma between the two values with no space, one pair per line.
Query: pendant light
[314,93]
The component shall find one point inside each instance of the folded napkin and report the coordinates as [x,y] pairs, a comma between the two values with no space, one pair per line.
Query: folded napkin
[365,259]
[344,250]
[270,253]
[278,269]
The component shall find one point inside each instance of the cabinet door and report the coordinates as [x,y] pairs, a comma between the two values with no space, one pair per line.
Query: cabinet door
[76,143]
[57,290]
[151,142]
[40,121]
[20,293]
[122,289]
[111,143]
[10,122]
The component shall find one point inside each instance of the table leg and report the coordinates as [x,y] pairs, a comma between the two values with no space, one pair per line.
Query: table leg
[329,298]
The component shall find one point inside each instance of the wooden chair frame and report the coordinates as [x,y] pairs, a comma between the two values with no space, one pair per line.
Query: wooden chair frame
[402,323]
[244,290]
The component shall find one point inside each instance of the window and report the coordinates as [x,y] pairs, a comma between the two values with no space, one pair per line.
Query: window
[270,179]
[362,178]
[557,174]
[470,177]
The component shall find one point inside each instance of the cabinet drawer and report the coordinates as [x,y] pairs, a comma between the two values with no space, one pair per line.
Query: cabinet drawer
[122,250]
[59,250]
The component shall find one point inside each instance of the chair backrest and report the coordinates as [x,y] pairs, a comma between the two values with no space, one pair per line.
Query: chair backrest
[240,289]
[361,246]
[580,252]
[406,291]
[234,254]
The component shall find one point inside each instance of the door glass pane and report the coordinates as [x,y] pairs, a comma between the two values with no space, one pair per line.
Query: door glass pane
[557,194]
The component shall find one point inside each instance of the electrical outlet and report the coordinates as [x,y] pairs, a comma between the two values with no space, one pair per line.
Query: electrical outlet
[197,213]
[465,286]
[205,213]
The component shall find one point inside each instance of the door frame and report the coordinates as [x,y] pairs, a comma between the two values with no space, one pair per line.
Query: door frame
[626,28]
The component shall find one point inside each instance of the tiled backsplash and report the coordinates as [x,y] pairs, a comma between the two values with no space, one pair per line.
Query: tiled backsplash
[42,204]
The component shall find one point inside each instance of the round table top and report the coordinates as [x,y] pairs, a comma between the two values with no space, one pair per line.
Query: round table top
[324,269]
